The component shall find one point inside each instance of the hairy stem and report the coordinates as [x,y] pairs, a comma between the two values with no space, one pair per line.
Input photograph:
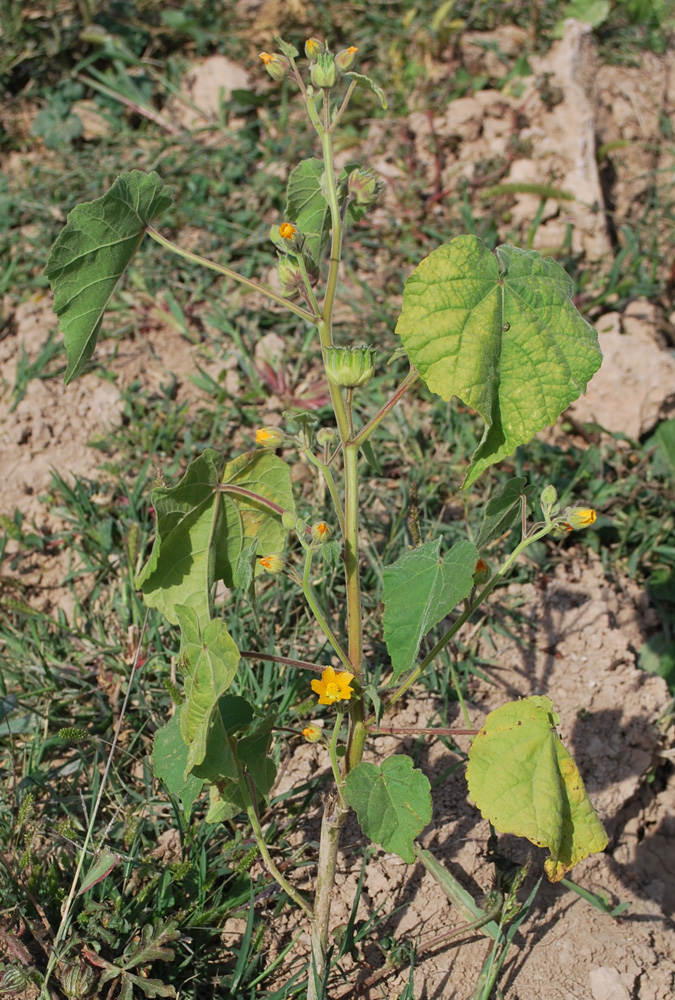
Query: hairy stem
[229,273]
[330,483]
[334,816]
[318,613]
[365,433]
[352,580]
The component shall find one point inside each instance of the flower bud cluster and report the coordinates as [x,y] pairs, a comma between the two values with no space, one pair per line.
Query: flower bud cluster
[325,68]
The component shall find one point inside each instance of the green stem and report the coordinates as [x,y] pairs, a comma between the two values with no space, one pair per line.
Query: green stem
[308,286]
[336,223]
[365,433]
[330,483]
[352,580]
[318,613]
[460,696]
[335,813]
[343,106]
[357,732]
[229,273]
[332,750]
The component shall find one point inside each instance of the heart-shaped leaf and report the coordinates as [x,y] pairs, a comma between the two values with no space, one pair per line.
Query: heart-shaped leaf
[419,590]
[92,253]
[199,536]
[392,802]
[499,331]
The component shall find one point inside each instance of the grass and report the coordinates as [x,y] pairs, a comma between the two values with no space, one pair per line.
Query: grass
[63,679]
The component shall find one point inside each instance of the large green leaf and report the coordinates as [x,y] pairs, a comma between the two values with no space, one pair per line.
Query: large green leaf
[220,762]
[392,802]
[199,535]
[499,331]
[525,782]
[419,590]
[209,660]
[92,253]
[268,476]
[169,760]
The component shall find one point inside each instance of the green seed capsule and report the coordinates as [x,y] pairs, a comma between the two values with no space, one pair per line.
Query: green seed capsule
[350,367]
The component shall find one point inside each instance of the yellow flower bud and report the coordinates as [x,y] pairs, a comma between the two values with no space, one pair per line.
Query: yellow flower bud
[314,48]
[579,517]
[313,732]
[287,237]
[345,59]
[481,573]
[272,564]
[269,437]
[321,532]
[277,65]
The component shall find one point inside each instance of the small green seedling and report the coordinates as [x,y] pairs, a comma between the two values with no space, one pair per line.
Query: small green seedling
[499,331]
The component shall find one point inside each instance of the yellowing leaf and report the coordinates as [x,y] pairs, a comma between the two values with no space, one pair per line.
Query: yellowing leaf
[499,331]
[525,782]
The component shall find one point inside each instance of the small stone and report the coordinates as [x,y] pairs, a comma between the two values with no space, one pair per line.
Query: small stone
[606,984]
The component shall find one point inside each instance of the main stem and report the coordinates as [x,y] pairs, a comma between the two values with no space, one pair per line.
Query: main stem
[335,810]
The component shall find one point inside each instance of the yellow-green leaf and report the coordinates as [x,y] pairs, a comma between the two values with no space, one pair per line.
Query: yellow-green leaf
[525,782]
[499,331]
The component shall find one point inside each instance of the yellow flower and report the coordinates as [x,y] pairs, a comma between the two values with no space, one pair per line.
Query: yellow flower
[267,57]
[287,230]
[273,563]
[579,517]
[333,687]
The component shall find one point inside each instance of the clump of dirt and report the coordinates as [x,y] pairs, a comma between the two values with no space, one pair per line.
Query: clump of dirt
[636,364]
[543,133]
